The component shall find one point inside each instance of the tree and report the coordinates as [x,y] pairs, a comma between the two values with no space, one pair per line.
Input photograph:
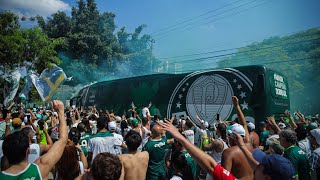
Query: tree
[296,56]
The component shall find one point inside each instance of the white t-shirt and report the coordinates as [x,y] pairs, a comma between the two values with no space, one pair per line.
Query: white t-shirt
[34,153]
[145,110]
[118,149]
[305,146]
[189,135]
[145,139]
[103,142]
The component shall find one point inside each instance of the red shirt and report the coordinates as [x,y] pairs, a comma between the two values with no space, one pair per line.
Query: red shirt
[220,173]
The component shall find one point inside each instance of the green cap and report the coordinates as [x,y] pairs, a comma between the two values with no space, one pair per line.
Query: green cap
[134,122]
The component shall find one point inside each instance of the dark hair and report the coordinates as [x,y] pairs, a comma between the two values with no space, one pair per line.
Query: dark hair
[27,131]
[223,130]
[68,166]
[74,135]
[189,124]
[145,121]
[15,147]
[81,127]
[180,164]
[106,166]
[301,132]
[123,126]
[289,135]
[133,140]
[101,123]
[86,122]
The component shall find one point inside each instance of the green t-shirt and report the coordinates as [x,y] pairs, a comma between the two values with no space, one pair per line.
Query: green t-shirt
[156,150]
[264,136]
[30,172]
[191,162]
[84,140]
[299,161]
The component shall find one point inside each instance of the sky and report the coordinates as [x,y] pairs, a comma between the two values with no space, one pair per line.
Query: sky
[207,25]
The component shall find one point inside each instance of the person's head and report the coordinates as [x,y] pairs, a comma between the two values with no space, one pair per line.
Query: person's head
[273,166]
[101,124]
[181,166]
[222,130]
[251,127]
[315,137]
[287,138]
[262,125]
[106,166]
[74,135]
[134,122]
[112,126]
[28,132]
[301,132]
[235,128]
[81,128]
[145,121]
[156,131]
[188,124]
[68,166]
[16,147]
[86,122]
[16,123]
[133,140]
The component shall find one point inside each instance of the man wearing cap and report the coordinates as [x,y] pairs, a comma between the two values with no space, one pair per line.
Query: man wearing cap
[296,156]
[254,137]
[273,166]
[137,127]
[103,141]
[264,133]
[315,155]
[112,126]
[233,158]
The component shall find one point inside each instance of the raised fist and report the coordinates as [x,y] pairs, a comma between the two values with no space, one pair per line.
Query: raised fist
[235,100]
[57,105]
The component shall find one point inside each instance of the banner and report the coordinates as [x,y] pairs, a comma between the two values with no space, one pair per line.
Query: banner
[12,85]
[24,94]
[48,82]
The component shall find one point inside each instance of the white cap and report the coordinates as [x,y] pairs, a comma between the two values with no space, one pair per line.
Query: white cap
[251,125]
[206,124]
[112,126]
[282,125]
[237,128]
[316,134]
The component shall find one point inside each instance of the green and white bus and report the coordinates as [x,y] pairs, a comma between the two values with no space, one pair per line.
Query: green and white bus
[261,91]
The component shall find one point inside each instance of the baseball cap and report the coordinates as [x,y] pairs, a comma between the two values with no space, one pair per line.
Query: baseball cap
[206,124]
[282,125]
[251,125]
[16,122]
[112,126]
[276,166]
[316,134]
[134,122]
[262,124]
[237,128]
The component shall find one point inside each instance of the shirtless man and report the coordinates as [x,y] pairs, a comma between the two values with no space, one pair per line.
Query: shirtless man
[135,164]
[233,159]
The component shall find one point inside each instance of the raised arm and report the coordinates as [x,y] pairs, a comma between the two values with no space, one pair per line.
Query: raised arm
[274,124]
[253,163]
[241,118]
[48,160]
[203,159]
[292,123]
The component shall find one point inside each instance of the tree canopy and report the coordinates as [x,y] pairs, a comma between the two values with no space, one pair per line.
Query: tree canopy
[297,56]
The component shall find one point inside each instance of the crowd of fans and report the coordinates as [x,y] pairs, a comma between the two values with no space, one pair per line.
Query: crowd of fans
[73,143]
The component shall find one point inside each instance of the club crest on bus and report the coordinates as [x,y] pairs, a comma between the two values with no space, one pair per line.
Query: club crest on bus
[209,95]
